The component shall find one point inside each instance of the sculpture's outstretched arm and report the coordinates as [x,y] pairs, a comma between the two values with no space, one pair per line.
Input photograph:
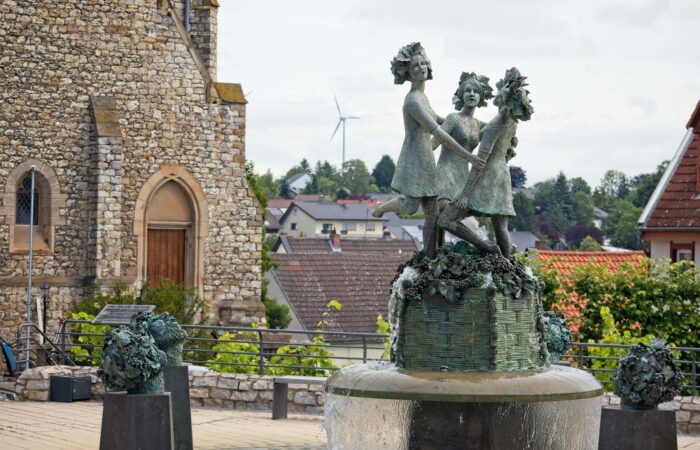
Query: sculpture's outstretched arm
[447,125]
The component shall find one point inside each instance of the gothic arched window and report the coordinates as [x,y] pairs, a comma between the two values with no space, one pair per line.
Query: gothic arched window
[23,203]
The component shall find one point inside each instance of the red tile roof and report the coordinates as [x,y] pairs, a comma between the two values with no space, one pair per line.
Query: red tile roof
[677,206]
[359,281]
[566,262]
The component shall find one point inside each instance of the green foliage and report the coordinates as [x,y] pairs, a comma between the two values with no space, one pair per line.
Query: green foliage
[644,184]
[525,213]
[254,183]
[383,172]
[181,302]
[236,353]
[582,209]
[383,327]
[611,335]
[240,352]
[518,177]
[356,177]
[276,315]
[588,244]
[615,184]
[578,184]
[621,225]
[91,345]
[660,298]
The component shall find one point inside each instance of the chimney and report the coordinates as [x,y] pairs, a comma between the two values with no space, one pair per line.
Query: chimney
[334,239]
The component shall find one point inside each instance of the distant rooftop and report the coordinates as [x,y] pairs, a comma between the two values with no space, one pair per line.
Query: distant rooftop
[333,211]
[323,245]
[360,281]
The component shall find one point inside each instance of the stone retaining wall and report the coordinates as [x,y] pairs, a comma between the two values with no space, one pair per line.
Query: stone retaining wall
[207,388]
[254,392]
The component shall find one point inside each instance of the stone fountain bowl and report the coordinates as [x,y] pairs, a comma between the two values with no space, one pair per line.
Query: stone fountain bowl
[379,406]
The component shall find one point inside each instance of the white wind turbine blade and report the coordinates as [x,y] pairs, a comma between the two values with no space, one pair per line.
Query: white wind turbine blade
[337,105]
[336,128]
[352,117]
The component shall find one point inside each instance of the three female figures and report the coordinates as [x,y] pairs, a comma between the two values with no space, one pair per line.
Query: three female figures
[485,191]
[416,175]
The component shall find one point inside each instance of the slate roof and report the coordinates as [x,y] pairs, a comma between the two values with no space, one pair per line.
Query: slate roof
[333,211]
[565,263]
[523,240]
[359,281]
[675,204]
[295,177]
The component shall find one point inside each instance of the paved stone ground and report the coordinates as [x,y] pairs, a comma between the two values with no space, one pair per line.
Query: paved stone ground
[76,426]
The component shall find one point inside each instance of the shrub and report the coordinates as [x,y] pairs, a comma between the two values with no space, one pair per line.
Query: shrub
[603,368]
[90,352]
[236,353]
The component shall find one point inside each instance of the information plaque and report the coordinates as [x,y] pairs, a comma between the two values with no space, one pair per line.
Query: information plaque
[120,314]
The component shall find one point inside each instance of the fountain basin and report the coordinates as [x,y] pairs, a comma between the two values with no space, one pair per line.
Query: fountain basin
[379,406]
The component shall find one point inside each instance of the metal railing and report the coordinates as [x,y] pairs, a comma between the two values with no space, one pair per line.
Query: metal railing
[259,347]
[341,348]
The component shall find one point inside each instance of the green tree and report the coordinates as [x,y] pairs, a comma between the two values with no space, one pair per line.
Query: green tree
[356,177]
[562,196]
[578,184]
[643,185]
[518,177]
[615,184]
[383,172]
[276,315]
[525,213]
[582,208]
[557,217]
[621,225]
[589,244]
[269,185]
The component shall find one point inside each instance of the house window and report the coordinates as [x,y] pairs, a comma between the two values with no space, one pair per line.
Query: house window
[344,228]
[370,227]
[683,252]
[23,205]
[294,226]
[326,228]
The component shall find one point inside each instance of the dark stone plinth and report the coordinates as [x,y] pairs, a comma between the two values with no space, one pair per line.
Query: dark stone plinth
[488,426]
[177,383]
[137,422]
[651,429]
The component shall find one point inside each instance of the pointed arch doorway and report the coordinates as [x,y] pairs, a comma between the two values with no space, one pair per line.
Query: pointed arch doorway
[170,226]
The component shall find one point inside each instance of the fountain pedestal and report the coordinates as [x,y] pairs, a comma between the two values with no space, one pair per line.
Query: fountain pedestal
[553,408]
[625,429]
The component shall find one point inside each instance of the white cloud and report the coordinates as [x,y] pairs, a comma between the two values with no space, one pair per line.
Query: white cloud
[613,82]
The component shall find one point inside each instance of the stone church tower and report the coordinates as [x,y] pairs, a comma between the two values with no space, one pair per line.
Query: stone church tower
[139,156]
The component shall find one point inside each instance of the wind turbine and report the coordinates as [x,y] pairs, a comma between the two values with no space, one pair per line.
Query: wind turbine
[342,119]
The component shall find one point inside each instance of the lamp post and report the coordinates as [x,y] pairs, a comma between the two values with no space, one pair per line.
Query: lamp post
[44,300]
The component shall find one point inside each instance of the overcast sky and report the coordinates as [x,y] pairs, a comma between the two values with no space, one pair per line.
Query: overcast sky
[613,82]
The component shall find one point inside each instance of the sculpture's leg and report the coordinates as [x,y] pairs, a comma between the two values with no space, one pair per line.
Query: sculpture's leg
[401,205]
[430,226]
[442,204]
[450,220]
[500,230]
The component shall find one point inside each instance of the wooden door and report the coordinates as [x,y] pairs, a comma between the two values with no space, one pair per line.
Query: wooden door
[166,256]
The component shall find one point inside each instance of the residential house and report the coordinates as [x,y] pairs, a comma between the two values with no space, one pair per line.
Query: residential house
[296,183]
[334,243]
[316,219]
[670,222]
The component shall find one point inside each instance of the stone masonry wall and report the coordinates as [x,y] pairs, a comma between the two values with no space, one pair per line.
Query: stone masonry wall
[55,57]
[207,388]
[254,392]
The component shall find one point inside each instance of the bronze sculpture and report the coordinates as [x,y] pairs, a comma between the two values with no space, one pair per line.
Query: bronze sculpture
[488,190]
[416,173]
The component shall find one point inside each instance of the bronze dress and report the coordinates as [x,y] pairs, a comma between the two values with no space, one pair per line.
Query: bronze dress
[453,168]
[416,172]
[491,194]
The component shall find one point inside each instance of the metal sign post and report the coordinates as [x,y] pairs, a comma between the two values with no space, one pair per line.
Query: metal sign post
[29,282]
